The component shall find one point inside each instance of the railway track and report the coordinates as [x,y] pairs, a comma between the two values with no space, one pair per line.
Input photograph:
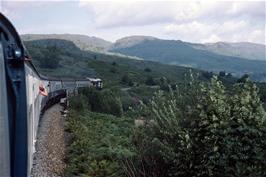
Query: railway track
[50,147]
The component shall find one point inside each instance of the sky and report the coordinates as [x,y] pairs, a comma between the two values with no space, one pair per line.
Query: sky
[192,21]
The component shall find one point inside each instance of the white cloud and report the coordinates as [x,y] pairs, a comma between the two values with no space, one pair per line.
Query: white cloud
[110,14]
[211,39]
[194,21]
[256,36]
[231,31]
[193,27]
[233,26]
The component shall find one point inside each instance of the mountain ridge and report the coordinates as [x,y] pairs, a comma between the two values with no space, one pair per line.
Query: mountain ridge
[182,53]
[84,42]
[246,50]
[173,52]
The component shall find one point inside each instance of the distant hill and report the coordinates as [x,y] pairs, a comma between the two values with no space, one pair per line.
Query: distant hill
[82,41]
[236,58]
[245,50]
[76,63]
[130,41]
[186,54]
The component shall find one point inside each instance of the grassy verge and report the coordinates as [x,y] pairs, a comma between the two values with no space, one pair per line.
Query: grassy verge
[98,145]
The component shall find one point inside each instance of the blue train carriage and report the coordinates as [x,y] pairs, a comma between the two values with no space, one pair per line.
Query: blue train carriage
[4,123]
[24,95]
[16,125]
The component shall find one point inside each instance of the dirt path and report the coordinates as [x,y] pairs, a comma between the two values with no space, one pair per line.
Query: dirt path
[50,146]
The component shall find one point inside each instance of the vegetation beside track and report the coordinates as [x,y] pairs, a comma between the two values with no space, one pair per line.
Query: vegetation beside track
[199,129]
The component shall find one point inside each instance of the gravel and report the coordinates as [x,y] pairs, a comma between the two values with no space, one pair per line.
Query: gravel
[50,146]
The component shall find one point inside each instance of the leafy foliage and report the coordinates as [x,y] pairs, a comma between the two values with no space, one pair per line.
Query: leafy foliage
[105,101]
[150,81]
[203,130]
[99,143]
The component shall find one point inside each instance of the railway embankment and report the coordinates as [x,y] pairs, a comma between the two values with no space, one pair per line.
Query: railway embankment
[50,146]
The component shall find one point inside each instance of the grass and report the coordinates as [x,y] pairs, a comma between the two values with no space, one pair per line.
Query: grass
[99,142]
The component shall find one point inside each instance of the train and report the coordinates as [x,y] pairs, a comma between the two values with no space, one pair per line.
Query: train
[24,95]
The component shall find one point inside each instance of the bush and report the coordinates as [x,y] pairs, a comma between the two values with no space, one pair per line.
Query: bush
[113,70]
[105,101]
[147,70]
[125,79]
[150,81]
[203,130]
[99,144]
[78,103]
[131,83]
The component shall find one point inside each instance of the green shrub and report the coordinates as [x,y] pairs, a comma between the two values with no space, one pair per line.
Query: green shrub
[78,103]
[203,130]
[150,81]
[127,80]
[105,101]
[147,70]
[113,70]
[99,144]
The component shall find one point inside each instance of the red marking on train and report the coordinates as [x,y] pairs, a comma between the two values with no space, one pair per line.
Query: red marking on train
[42,90]
[27,59]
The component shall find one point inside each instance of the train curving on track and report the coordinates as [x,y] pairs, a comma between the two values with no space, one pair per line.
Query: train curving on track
[24,94]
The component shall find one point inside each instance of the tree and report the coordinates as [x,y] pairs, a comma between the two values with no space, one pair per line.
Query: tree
[113,70]
[125,79]
[202,129]
[207,75]
[243,79]
[164,84]
[150,81]
[222,73]
[130,83]
[245,142]
[105,101]
[147,70]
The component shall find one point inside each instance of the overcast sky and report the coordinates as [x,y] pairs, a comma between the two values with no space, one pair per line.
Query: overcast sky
[193,21]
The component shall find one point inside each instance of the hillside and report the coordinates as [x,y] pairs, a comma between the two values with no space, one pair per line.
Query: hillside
[74,62]
[236,58]
[182,53]
[130,41]
[137,78]
[245,50]
[82,41]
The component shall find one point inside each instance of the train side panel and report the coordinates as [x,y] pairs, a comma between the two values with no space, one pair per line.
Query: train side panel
[70,86]
[84,83]
[34,106]
[4,127]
